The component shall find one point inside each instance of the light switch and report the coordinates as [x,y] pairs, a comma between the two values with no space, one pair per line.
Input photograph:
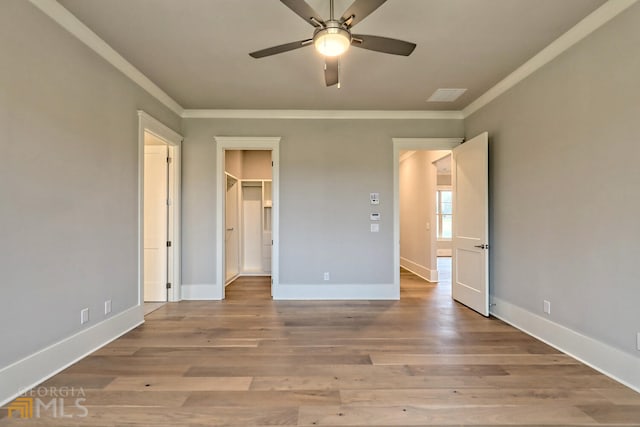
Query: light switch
[375,216]
[375,198]
[375,228]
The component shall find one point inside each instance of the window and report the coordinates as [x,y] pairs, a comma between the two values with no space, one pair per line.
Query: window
[444,213]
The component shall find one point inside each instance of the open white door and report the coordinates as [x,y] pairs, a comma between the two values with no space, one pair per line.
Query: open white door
[155,222]
[232,232]
[470,264]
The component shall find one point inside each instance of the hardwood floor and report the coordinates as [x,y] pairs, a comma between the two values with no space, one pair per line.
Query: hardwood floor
[251,361]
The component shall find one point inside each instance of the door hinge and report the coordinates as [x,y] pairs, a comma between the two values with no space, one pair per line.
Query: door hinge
[271,164]
[168,159]
[272,243]
[168,285]
[168,244]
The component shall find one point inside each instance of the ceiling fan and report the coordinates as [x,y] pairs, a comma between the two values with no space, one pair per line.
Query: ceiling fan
[333,37]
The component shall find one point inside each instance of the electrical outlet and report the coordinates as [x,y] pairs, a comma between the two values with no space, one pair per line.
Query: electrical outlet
[107,306]
[327,276]
[84,316]
[547,307]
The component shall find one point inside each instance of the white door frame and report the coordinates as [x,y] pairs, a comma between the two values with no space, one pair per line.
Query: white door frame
[405,144]
[147,123]
[246,143]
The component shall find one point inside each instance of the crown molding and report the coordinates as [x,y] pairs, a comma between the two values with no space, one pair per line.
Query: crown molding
[582,29]
[323,114]
[69,22]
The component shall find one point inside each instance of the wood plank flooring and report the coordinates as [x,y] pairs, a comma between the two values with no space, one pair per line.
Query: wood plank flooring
[250,361]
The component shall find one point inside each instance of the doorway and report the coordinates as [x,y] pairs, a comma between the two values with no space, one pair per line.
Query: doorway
[420,223]
[421,219]
[470,269]
[247,221]
[257,212]
[159,150]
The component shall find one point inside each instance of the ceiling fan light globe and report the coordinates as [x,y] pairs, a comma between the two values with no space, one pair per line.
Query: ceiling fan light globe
[332,41]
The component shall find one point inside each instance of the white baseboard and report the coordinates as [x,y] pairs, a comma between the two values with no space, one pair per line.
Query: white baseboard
[234,277]
[27,373]
[205,292]
[614,363]
[336,292]
[419,270]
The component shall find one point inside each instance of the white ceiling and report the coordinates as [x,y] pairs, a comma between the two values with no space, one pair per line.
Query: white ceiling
[197,50]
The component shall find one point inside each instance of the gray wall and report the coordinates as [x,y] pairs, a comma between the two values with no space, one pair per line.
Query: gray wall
[68,182]
[565,205]
[327,170]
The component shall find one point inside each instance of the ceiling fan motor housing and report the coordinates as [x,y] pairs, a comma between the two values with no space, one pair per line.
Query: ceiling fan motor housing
[332,39]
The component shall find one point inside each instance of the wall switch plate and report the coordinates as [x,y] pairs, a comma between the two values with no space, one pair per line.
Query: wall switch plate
[375,228]
[375,216]
[327,276]
[547,307]
[84,316]
[375,198]
[107,306]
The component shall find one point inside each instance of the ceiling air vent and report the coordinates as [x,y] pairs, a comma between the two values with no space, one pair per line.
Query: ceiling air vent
[446,95]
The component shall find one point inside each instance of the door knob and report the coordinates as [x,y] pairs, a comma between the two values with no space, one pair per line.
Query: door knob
[481,246]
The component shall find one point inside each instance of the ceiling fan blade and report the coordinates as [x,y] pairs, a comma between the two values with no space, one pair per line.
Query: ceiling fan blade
[383,44]
[280,49]
[331,70]
[359,10]
[306,12]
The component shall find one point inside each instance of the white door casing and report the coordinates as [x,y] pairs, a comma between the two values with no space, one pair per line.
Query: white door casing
[245,143]
[173,140]
[155,222]
[470,262]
